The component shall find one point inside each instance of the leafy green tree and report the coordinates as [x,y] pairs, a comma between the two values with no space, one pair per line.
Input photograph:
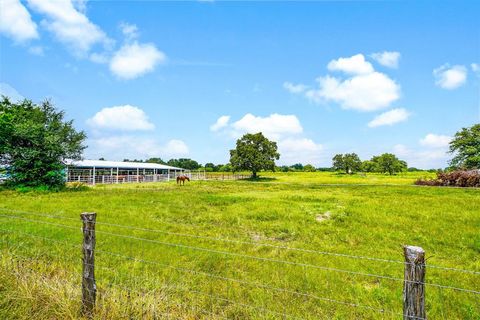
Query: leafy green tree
[389,163]
[155,160]
[349,162]
[35,140]
[369,166]
[466,148]
[254,152]
[209,167]
[184,163]
[309,168]
[225,168]
[297,167]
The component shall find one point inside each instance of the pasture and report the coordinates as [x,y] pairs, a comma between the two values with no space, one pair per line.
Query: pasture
[289,246]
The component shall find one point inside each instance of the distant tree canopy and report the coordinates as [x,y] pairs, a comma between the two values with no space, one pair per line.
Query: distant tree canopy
[34,142]
[297,167]
[466,148]
[389,163]
[349,162]
[369,166]
[309,168]
[184,163]
[155,160]
[254,152]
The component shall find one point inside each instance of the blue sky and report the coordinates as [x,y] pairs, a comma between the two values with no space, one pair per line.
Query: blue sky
[185,79]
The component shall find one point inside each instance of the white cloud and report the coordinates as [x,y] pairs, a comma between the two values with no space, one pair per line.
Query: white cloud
[299,150]
[175,148]
[127,118]
[475,68]
[275,126]
[387,58]
[80,5]
[220,123]
[134,60]
[294,88]
[450,78]
[432,154]
[389,118]
[10,92]
[424,159]
[286,130]
[129,146]
[16,22]
[353,65]
[99,57]
[401,150]
[130,31]
[366,92]
[435,141]
[69,25]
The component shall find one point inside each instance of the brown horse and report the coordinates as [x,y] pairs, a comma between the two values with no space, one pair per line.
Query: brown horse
[181,179]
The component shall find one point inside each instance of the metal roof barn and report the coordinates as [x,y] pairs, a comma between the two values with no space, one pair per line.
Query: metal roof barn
[113,172]
[118,164]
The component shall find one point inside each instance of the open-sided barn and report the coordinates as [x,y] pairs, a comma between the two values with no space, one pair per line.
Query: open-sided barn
[101,171]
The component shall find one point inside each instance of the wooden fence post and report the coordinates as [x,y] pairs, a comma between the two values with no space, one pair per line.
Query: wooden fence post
[89,288]
[414,284]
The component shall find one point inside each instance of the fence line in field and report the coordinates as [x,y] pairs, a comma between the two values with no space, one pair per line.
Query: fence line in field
[107,176]
[210,275]
[225,278]
[243,242]
[307,265]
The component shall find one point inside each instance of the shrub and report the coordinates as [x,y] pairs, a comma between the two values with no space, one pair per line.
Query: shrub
[459,178]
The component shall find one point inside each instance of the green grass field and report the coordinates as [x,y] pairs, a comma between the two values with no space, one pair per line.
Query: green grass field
[186,270]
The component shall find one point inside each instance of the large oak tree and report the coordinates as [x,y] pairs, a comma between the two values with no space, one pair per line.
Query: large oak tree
[254,152]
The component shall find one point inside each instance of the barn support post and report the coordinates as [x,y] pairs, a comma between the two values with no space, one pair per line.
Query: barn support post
[138,172]
[414,283]
[66,174]
[94,171]
[89,288]
[117,175]
[168,174]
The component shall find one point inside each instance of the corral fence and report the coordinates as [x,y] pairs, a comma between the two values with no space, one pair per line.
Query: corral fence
[226,176]
[110,176]
[237,298]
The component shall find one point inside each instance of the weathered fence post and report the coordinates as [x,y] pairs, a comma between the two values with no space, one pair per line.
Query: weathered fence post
[414,283]
[89,288]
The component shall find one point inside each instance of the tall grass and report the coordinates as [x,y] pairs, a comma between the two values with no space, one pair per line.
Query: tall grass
[369,215]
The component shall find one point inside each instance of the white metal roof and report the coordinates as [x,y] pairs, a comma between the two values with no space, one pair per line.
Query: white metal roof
[118,164]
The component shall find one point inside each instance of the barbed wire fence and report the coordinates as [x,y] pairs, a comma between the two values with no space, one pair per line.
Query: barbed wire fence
[137,275]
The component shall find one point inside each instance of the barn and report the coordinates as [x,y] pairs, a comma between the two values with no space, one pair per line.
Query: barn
[109,172]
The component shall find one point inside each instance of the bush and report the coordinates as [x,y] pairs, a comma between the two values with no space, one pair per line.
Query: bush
[459,178]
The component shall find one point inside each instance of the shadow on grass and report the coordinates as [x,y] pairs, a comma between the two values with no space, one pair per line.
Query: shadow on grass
[259,179]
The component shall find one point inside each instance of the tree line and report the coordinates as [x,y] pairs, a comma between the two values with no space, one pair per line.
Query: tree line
[35,141]
[385,163]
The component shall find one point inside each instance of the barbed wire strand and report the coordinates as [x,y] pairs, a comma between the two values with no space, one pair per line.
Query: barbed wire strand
[260,258]
[262,286]
[245,282]
[250,242]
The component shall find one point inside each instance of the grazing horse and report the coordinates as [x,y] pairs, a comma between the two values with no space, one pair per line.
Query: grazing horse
[181,179]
